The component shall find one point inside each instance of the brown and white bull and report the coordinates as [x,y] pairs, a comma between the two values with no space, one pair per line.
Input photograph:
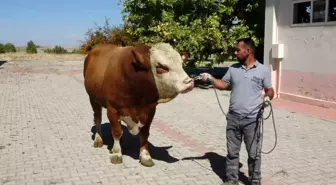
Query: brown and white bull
[130,82]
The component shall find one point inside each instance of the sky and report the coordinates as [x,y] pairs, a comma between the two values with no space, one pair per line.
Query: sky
[50,23]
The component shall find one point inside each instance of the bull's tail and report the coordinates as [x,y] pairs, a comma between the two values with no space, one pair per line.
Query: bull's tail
[89,52]
[89,55]
[86,62]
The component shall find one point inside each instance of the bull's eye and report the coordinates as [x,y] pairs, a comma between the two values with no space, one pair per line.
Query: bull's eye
[160,69]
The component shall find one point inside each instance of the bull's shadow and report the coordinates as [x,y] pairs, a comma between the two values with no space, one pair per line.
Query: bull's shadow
[131,144]
[218,165]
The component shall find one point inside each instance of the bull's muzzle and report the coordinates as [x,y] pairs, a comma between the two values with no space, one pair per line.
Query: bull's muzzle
[189,82]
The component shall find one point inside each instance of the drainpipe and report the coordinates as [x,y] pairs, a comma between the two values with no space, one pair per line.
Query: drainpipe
[272,49]
[276,75]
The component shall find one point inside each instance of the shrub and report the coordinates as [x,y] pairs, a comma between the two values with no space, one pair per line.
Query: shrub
[9,47]
[48,50]
[76,51]
[56,50]
[60,50]
[93,38]
[31,47]
[106,34]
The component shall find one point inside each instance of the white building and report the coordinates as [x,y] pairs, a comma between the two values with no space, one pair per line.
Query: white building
[300,48]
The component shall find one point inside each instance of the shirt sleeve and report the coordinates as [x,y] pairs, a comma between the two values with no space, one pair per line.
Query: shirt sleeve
[267,82]
[227,77]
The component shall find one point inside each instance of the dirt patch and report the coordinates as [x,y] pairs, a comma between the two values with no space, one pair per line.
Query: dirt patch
[21,56]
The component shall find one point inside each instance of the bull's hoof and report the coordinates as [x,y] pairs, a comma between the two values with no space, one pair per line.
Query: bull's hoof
[146,160]
[147,163]
[116,158]
[98,142]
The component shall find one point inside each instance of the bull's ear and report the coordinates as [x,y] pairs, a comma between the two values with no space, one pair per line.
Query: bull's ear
[184,55]
[138,57]
[141,55]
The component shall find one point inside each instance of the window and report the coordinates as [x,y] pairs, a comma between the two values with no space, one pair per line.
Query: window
[301,13]
[313,11]
[332,10]
[319,9]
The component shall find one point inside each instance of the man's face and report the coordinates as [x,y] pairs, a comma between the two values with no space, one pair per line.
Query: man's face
[242,52]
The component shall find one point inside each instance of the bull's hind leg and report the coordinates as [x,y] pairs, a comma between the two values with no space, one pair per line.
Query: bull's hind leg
[116,156]
[97,118]
[145,157]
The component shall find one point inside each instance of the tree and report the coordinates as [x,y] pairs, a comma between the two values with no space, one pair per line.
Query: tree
[253,12]
[201,27]
[31,47]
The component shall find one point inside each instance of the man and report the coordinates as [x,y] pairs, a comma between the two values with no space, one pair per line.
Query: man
[247,79]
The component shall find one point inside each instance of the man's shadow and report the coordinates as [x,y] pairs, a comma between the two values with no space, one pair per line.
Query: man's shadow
[218,165]
[130,145]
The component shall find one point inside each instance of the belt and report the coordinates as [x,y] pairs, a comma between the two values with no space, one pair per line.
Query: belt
[235,114]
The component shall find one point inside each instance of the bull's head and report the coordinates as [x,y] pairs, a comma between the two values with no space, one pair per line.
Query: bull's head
[168,72]
[166,64]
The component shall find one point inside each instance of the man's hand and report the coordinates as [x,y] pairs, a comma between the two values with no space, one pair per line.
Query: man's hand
[269,94]
[217,83]
[206,77]
[266,102]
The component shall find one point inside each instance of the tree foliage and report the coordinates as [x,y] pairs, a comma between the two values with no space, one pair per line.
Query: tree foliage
[201,27]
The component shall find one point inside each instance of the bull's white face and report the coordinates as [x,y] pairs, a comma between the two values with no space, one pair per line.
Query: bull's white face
[170,78]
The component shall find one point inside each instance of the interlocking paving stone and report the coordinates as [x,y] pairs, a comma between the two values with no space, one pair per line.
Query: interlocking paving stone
[46,137]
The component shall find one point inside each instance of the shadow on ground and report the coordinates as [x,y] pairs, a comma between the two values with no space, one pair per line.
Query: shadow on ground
[218,165]
[131,144]
[217,72]
[2,62]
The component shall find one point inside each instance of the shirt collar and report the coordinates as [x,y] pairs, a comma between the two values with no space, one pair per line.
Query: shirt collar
[255,65]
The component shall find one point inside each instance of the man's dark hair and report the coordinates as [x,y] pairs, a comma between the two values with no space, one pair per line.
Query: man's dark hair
[249,43]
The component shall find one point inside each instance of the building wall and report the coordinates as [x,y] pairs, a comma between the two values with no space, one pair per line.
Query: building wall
[307,73]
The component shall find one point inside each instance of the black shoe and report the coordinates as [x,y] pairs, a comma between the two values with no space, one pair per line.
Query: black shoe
[255,183]
[230,182]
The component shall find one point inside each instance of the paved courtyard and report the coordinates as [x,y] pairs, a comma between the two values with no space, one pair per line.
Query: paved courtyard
[46,137]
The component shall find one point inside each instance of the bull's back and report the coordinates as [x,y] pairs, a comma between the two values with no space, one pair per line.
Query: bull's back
[95,65]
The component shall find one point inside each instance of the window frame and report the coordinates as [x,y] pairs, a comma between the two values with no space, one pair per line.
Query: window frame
[311,23]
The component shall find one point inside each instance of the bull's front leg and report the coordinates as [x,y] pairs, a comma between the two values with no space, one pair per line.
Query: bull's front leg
[145,157]
[116,129]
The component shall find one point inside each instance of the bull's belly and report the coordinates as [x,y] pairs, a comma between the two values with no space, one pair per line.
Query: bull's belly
[133,127]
